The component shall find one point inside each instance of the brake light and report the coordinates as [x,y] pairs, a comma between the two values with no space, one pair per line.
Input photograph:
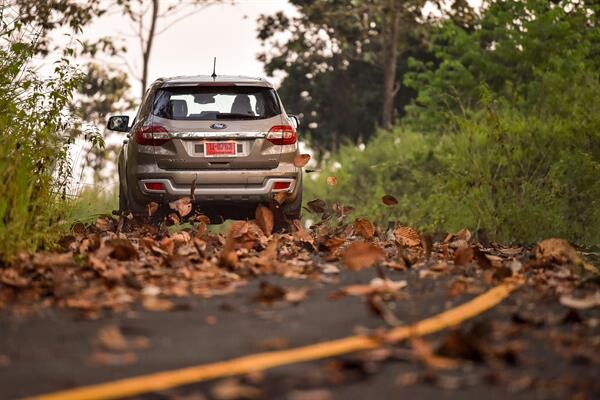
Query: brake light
[281,185]
[152,135]
[154,186]
[282,134]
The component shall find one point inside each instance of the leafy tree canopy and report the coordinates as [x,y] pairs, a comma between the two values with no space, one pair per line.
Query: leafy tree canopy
[334,56]
[512,45]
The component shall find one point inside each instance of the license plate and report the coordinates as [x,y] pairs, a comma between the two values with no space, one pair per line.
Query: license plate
[216,149]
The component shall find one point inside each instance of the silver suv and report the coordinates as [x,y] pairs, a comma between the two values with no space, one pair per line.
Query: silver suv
[229,137]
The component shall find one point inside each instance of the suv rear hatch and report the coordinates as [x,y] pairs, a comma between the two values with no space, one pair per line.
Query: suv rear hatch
[218,126]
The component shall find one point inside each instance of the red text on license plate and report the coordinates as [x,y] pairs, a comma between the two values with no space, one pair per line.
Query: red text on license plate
[220,148]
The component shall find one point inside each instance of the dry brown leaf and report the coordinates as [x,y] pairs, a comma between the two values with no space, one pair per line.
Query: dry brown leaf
[302,234]
[269,293]
[317,206]
[11,277]
[361,255]
[264,219]
[376,286]
[463,255]
[511,251]
[424,353]
[122,249]
[183,206]
[82,304]
[457,344]
[311,394]
[228,256]
[295,296]
[389,200]
[268,256]
[232,389]
[153,303]
[242,234]
[44,260]
[301,160]
[464,234]
[174,219]
[103,224]
[457,244]
[111,338]
[334,243]
[4,360]
[457,287]
[363,227]
[590,301]
[556,250]
[280,197]
[407,236]
[152,208]
[274,343]
[331,180]
[112,359]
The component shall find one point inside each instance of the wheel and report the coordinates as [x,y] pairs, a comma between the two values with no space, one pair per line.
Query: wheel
[293,210]
[127,202]
[123,206]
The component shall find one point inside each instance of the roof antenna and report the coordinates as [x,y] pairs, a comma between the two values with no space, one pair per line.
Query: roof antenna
[214,74]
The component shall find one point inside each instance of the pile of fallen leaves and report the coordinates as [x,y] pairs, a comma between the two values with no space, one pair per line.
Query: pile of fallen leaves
[115,262]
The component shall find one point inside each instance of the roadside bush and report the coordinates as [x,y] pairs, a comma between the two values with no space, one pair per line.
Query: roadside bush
[401,163]
[519,174]
[35,135]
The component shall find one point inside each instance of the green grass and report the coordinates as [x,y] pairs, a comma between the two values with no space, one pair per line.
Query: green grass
[92,203]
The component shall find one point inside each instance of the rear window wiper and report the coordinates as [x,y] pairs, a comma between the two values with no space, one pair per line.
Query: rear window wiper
[237,116]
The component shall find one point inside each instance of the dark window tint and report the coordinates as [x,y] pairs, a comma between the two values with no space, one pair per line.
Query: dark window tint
[215,103]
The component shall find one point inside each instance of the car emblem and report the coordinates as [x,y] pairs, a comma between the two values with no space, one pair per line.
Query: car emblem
[218,126]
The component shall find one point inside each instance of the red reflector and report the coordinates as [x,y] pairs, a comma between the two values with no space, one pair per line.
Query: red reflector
[281,185]
[154,186]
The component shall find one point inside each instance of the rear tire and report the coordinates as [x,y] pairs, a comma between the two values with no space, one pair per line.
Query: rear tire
[123,203]
[127,203]
[293,210]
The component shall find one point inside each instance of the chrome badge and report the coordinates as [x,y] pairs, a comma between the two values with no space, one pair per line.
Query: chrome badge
[218,126]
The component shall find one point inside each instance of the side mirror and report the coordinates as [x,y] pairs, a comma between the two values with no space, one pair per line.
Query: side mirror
[118,123]
[295,121]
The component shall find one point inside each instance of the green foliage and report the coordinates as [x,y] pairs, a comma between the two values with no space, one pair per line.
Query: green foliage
[92,203]
[400,163]
[34,140]
[504,133]
[333,58]
[520,176]
[513,44]
[104,90]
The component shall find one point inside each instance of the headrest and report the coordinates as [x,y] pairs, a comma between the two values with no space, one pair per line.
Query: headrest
[178,108]
[241,105]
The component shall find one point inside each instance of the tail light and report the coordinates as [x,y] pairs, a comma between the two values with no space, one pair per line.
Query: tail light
[152,135]
[282,134]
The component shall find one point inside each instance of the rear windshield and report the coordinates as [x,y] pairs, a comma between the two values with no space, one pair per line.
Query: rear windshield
[215,102]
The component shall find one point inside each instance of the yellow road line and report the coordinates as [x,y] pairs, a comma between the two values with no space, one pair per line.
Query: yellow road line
[262,361]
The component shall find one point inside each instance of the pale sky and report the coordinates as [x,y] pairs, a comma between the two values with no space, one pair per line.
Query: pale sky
[225,31]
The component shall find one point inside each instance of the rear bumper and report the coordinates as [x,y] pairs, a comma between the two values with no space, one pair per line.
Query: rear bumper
[213,193]
[243,186]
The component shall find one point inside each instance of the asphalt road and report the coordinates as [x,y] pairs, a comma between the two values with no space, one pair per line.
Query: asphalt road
[543,350]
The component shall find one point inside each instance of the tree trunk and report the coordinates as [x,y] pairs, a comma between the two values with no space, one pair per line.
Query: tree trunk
[147,49]
[390,63]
